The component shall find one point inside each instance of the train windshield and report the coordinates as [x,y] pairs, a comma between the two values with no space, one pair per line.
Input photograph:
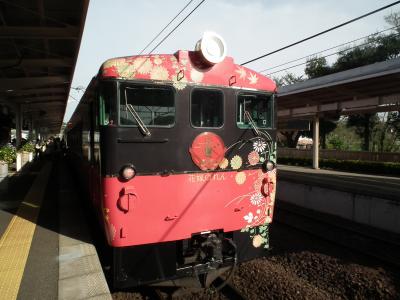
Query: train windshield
[107,100]
[254,108]
[207,108]
[153,105]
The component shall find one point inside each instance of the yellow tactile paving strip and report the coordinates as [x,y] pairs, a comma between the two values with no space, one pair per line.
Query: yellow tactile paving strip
[16,240]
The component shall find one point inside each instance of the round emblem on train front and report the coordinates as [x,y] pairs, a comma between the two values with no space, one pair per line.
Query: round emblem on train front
[207,151]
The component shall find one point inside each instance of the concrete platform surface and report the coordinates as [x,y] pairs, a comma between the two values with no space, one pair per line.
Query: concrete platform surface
[45,246]
[365,199]
[385,187]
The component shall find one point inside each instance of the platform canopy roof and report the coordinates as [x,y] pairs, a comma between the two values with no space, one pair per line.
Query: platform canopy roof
[371,88]
[39,44]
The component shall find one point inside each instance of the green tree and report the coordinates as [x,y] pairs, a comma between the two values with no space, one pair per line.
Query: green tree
[394,129]
[394,20]
[326,126]
[287,79]
[374,49]
[291,136]
[363,125]
[387,132]
[316,67]
[343,137]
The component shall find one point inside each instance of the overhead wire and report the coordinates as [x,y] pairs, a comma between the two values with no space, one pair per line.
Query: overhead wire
[303,63]
[322,32]
[176,27]
[322,51]
[166,26]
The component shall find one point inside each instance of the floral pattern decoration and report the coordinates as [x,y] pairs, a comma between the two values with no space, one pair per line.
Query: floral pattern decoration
[259,201]
[167,67]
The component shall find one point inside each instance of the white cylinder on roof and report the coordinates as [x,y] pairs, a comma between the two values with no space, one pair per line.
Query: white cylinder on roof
[212,46]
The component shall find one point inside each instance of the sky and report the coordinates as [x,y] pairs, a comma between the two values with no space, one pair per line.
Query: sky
[250,29]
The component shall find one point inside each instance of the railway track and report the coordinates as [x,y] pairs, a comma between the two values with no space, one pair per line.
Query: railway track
[377,243]
[226,291]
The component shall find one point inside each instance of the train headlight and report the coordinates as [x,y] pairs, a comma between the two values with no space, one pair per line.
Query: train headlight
[268,166]
[128,172]
[212,47]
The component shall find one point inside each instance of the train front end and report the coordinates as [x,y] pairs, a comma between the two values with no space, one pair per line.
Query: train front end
[188,156]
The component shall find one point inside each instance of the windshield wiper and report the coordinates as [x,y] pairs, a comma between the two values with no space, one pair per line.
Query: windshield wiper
[252,123]
[138,120]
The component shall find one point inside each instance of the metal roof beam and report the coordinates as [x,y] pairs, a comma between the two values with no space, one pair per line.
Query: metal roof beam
[49,103]
[31,82]
[372,104]
[40,91]
[39,62]
[22,32]
[45,99]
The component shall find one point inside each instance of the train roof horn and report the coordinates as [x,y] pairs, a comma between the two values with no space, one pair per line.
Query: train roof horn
[212,47]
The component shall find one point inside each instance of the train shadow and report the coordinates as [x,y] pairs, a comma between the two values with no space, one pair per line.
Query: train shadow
[19,186]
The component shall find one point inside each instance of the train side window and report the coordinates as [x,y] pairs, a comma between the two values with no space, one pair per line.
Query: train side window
[107,103]
[154,105]
[258,106]
[207,108]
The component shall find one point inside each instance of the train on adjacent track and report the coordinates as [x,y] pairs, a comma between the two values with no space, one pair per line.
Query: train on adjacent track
[178,156]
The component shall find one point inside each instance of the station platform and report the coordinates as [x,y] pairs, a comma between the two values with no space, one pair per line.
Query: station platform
[371,200]
[46,251]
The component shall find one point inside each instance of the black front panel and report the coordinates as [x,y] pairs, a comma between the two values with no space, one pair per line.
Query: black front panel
[167,149]
[245,248]
[153,263]
[140,265]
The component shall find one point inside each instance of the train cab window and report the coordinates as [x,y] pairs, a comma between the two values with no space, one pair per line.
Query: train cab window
[207,108]
[152,105]
[107,103]
[254,108]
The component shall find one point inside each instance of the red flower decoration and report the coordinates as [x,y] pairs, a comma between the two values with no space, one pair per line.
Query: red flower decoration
[253,158]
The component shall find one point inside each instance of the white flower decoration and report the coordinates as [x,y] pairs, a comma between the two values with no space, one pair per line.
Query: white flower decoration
[240,178]
[252,78]
[258,240]
[110,63]
[181,83]
[249,217]
[256,199]
[242,72]
[259,145]
[159,72]
[196,75]
[236,162]
[224,164]
[142,65]
[157,60]
[124,69]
